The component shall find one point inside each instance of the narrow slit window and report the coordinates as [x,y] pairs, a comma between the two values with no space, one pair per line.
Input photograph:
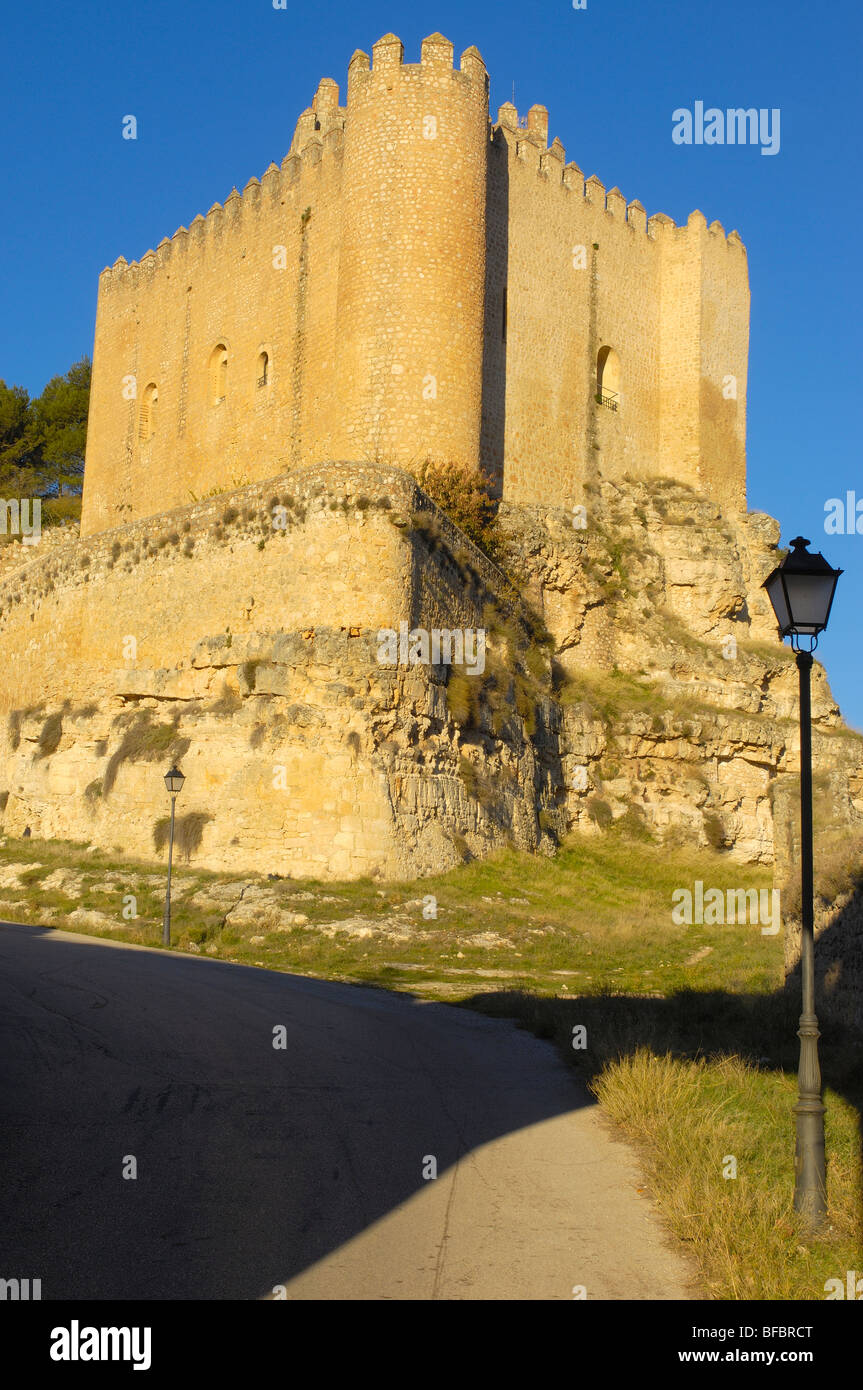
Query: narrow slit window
[218,374]
[147,421]
[608,378]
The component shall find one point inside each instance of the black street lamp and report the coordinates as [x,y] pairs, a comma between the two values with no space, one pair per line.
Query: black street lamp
[174,782]
[801,591]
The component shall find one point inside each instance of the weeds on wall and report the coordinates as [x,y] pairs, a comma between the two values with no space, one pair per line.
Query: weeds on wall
[144,740]
[50,736]
[188,833]
[93,792]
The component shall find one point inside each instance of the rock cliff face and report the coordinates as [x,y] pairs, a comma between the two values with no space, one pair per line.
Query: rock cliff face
[679,703]
[630,669]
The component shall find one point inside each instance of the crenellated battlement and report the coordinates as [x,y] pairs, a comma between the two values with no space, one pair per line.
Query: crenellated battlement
[527,140]
[437,56]
[292,178]
[320,133]
[414,280]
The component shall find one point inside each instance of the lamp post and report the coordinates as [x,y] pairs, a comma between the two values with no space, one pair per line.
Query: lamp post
[174,782]
[801,592]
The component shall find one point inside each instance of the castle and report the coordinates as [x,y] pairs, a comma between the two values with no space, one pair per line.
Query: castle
[415,282]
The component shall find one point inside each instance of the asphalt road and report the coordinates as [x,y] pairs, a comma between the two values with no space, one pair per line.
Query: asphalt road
[299,1170]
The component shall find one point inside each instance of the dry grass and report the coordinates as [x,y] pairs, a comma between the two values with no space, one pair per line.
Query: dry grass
[144,741]
[188,833]
[678,1019]
[690,1119]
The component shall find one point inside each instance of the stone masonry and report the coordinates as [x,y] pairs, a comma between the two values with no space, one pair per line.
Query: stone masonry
[415,281]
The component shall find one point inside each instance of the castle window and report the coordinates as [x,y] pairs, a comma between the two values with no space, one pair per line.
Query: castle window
[147,420]
[218,374]
[608,378]
[263,374]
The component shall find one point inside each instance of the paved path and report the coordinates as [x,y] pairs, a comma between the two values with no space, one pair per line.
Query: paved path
[300,1167]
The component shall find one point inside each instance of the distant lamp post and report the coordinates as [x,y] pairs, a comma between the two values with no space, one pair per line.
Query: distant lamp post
[801,592]
[174,782]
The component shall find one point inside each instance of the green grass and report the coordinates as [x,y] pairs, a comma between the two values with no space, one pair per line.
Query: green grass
[691,1035]
[609,695]
[697,1077]
[600,910]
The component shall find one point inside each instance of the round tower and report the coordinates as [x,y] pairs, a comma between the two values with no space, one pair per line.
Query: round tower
[412,256]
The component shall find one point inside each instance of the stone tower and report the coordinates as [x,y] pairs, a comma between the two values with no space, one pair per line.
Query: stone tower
[412,256]
[415,281]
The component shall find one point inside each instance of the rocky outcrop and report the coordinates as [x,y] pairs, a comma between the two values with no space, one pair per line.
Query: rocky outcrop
[679,703]
[630,672]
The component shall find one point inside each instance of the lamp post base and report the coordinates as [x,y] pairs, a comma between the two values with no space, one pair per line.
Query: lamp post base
[810,1195]
[810,1166]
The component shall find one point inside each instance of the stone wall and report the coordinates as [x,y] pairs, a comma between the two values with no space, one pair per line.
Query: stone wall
[241,636]
[422,284]
[256,275]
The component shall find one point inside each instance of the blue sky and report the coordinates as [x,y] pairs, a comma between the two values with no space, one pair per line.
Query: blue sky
[216,89]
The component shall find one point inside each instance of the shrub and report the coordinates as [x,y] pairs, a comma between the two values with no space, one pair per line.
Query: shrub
[526,707]
[462,699]
[468,775]
[460,845]
[461,494]
[247,673]
[633,824]
[228,702]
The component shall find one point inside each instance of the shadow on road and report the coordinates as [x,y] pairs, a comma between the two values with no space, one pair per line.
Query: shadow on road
[255,1161]
[252,1161]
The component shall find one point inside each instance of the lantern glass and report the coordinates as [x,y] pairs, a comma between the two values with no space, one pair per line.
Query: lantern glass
[801,591]
[776,593]
[174,781]
[809,600]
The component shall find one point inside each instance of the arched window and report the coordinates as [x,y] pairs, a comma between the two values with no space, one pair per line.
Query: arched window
[218,374]
[608,378]
[263,373]
[147,420]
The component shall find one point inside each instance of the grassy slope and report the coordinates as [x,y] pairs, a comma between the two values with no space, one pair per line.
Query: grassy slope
[691,1042]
